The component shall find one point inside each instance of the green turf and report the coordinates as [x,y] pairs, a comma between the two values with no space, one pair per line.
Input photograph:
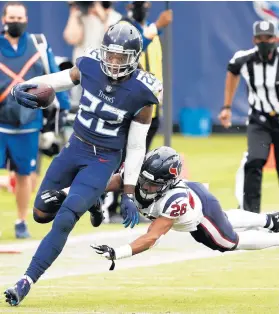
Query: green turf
[213,160]
[237,284]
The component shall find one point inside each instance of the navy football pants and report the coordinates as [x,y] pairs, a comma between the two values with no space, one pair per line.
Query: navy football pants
[88,174]
[215,231]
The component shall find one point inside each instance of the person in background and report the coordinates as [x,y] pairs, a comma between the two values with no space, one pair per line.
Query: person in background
[87,23]
[21,58]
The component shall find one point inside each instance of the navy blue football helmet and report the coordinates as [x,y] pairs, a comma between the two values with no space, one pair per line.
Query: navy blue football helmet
[120,50]
[160,171]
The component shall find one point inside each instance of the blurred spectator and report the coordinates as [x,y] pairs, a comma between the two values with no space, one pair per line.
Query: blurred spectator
[86,26]
[22,56]
[151,61]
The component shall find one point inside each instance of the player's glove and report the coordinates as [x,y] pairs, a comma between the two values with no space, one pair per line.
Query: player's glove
[129,211]
[25,99]
[107,252]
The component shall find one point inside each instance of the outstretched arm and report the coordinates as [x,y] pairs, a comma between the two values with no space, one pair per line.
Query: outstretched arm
[157,229]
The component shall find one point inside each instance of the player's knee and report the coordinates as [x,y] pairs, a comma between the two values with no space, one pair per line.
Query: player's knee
[76,204]
[49,201]
[41,217]
[65,221]
[255,163]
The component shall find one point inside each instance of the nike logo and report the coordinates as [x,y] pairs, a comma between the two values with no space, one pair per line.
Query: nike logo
[103,160]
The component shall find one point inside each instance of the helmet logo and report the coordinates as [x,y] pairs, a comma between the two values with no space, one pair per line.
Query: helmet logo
[116,47]
[148,175]
[173,170]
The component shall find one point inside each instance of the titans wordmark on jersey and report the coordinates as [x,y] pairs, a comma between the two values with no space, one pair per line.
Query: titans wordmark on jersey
[107,107]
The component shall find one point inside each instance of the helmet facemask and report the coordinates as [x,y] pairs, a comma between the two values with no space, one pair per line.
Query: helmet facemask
[150,189]
[117,62]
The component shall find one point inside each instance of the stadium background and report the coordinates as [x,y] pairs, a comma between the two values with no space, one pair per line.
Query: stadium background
[203,43]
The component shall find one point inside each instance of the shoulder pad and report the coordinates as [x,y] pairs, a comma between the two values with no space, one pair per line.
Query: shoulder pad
[176,205]
[151,82]
[93,54]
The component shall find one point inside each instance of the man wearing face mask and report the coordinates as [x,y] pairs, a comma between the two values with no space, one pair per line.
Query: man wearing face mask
[20,60]
[260,68]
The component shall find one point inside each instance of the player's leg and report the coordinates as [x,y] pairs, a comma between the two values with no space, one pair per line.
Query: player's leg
[256,240]
[23,149]
[242,219]
[59,175]
[49,203]
[87,186]
[215,231]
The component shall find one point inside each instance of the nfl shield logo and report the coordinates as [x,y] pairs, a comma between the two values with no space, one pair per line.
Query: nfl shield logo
[108,89]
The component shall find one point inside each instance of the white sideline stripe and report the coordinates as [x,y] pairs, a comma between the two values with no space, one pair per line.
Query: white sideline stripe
[32,244]
[216,235]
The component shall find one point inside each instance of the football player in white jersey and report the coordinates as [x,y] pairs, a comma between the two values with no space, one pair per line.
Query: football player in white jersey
[172,203]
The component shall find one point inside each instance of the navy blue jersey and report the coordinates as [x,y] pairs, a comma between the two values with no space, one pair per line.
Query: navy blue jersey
[107,107]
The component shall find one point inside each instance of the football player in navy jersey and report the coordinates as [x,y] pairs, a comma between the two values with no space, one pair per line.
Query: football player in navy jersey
[115,108]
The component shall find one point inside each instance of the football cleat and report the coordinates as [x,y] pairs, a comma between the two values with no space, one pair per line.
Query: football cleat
[17,293]
[96,214]
[275,219]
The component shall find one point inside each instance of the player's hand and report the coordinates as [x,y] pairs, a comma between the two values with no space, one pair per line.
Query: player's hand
[225,117]
[23,98]
[129,211]
[107,252]
[164,19]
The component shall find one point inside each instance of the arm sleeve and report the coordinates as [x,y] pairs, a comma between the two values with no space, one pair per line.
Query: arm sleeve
[135,152]
[62,97]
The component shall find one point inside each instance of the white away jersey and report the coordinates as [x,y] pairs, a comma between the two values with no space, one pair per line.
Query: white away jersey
[181,204]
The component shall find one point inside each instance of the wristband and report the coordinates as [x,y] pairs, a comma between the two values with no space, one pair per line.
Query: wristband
[123,251]
[227,107]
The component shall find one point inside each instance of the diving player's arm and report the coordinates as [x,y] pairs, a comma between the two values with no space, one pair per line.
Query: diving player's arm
[136,147]
[60,81]
[156,230]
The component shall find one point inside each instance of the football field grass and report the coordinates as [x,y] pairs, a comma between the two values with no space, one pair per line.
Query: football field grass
[231,283]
